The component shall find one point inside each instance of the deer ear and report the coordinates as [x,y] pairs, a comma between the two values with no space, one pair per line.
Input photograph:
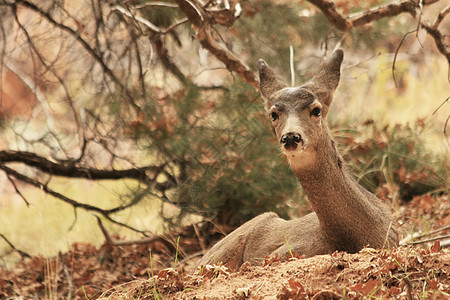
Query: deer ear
[269,82]
[326,78]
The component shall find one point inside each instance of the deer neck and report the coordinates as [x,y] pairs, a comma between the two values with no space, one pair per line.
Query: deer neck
[343,207]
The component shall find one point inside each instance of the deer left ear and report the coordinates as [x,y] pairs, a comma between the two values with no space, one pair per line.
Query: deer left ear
[269,82]
[326,79]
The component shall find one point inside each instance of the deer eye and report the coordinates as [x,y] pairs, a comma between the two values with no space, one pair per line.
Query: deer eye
[274,116]
[316,112]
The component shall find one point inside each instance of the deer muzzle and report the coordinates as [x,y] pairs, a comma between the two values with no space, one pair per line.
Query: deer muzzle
[291,140]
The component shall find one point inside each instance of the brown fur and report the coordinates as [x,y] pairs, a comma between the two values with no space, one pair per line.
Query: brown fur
[346,216]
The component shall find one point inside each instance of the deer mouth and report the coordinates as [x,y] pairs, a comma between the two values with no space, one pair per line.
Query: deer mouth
[291,141]
[291,147]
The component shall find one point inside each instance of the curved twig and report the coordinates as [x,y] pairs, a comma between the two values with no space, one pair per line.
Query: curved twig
[396,54]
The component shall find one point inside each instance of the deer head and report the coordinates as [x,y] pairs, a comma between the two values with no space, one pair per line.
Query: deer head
[298,113]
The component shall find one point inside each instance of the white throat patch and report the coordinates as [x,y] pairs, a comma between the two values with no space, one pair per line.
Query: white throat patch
[300,158]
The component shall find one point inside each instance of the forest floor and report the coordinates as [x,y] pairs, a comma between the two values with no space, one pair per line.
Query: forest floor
[133,271]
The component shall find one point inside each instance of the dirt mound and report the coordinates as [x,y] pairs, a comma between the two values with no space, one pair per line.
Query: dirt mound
[401,273]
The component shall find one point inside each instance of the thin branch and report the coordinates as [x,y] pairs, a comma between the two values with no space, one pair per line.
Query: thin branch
[439,107]
[21,253]
[445,126]
[145,175]
[176,24]
[148,25]
[442,237]
[105,233]
[147,240]
[343,23]
[17,190]
[419,21]
[433,232]
[74,219]
[396,54]
[143,232]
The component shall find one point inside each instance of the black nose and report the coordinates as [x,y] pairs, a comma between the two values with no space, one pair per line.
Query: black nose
[291,140]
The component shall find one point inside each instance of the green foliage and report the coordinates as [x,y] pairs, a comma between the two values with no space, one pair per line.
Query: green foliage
[395,162]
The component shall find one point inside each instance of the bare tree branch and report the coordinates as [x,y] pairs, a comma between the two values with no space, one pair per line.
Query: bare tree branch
[334,17]
[108,239]
[345,23]
[390,10]
[437,35]
[202,24]
[396,54]
[73,171]
[147,175]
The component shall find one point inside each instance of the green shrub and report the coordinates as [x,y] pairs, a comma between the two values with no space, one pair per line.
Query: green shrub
[397,161]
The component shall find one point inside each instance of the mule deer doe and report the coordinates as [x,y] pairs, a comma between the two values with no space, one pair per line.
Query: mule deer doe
[346,216]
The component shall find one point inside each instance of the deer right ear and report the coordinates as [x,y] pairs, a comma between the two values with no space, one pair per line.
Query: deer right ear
[269,82]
